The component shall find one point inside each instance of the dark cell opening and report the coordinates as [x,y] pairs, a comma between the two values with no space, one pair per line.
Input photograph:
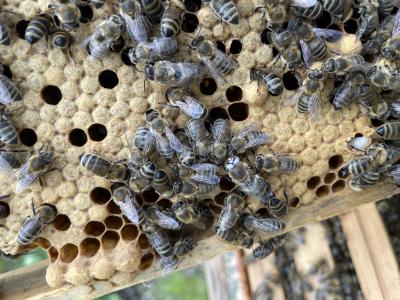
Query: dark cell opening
[234,93]
[220,46]
[329,178]
[275,52]
[89,247]
[108,79]
[86,13]
[118,45]
[113,222]
[218,113]
[236,47]
[97,132]
[262,212]
[208,86]
[376,122]
[143,242]
[100,195]
[113,208]
[337,83]
[77,137]
[28,137]
[51,94]
[344,172]
[313,182]
[334,27]
[4,210]
[68,253]
[338,186]
[226,183]
[358,134]
[150,195]
[324,21]
[53,254]
[20,28]
[94,228]
[220,198]
[369,57]
[189,22]
[215,209]
[62,223]
[335,162]
[164,203]
[42,242]
[192,5]
[264,36]
[146,261]
[125,56]
[351,26]
[109,240]
[291,81]
[294,202]
[356,14]
[129,232]
[322,191]
[238,111]
[7,71]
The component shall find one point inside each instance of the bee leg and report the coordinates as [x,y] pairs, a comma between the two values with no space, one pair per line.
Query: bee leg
[70,56]
[33,206]
[4,196]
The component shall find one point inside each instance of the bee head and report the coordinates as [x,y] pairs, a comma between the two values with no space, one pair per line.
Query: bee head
[329,66]
[149,71]
[344,172]
[178,186]
[231,162]
[316,74]
[196,42]
[389,53]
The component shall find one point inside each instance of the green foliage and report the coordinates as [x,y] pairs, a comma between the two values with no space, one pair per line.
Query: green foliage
[9,263]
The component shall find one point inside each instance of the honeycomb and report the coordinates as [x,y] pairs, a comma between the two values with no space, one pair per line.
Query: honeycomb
[82,105]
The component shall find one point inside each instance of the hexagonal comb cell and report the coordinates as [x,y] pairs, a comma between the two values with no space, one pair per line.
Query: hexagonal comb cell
[100,195]
[68,253]
[113,222]
[146,261]
[234,93]
[62,222]
[322,191]
[53,254]
[109,240]
[94,228]
[335,162]
[129,232]
[338,186]
[89,247]
[113,208]
[313,182]
[329,178]
[143,242]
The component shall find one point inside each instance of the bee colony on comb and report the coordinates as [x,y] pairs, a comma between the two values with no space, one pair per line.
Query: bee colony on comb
[132,120]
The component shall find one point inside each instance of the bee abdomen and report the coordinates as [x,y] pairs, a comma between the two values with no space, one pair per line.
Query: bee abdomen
[318,48]
[153,9]
[359,165]
[61,39]
[389,131]
[313,12]
[226,10]
[8,134]
[169,26]
[5,38]
[95,164]
[98,3]
[277,208]
[302,104]
[288,165]
[273,82]
[37,28]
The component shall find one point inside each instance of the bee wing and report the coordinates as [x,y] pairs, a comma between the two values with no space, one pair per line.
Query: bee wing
[220,130]
[289,101]
[224,219]
[25,178]
[166,221]
[218,76]
[149,144]
[129,209]
[306,52]
[5,96]
[245,131]
[191,107]
[396,26]
[174,142]
[138,28]
[267,224]
[6,168]
[395,109]
[314,107]
[98,49]
[303,3]
[362,28]
[330,35]
[263,138]
[208,179]
[205,168]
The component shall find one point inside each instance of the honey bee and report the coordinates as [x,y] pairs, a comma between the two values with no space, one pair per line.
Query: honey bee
[153,9]
[32,169]
[391,48]
[358,182]
[265,248]
[217,62]
[313,10]
[171,21]
[271,80]
[162,184]
[106,33]
[347,92]
[225,10]
[11,160]
[202,172]
[389,130]
[221,133]
[184,99]
[393,173]
[370,99]
[158,239]
[235,237]
[275,12]
[190,189]
[126,201]
[144,139]
[8,133]
[138,25]
[340,65]
[340,10]
[32,226]
[143,178]
[67,14]
[8,91]
[383,77]
[38,28]
[200,137]
[357,166]
[276,207]
[285,42]
[369,18]
[375,43]
[61,39]
[104,168]
[159,48]
[280,163]
[180,74]
[252,223]
[169,263]
[162,218]
[184,246]
[233,205]
[249,138]
[191,212]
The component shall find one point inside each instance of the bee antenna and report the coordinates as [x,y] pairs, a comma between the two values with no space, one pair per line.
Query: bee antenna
[33,207]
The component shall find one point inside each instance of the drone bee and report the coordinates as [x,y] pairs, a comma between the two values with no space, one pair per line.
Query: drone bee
[217,62]
[158,239]
[126,201]
[202,172]
[162,218]
[221,132]
[184,99]
[267,247]
[389,130]
[171,21]
[180,74]
[67,14]
[234,237]
[31,170]
[249,138]
[190,212]
[138,25]
[104,168]
[340,65]
[233,205]
[32,226]
[159,48]
[225,10]
[347,92]
[358,182]
[272,81]
[281,163]
[162,184]
[38,28]
[200,136]
[106,33]
[8,133]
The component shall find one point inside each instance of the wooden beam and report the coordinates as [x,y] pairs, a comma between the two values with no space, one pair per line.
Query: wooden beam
[372,253]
